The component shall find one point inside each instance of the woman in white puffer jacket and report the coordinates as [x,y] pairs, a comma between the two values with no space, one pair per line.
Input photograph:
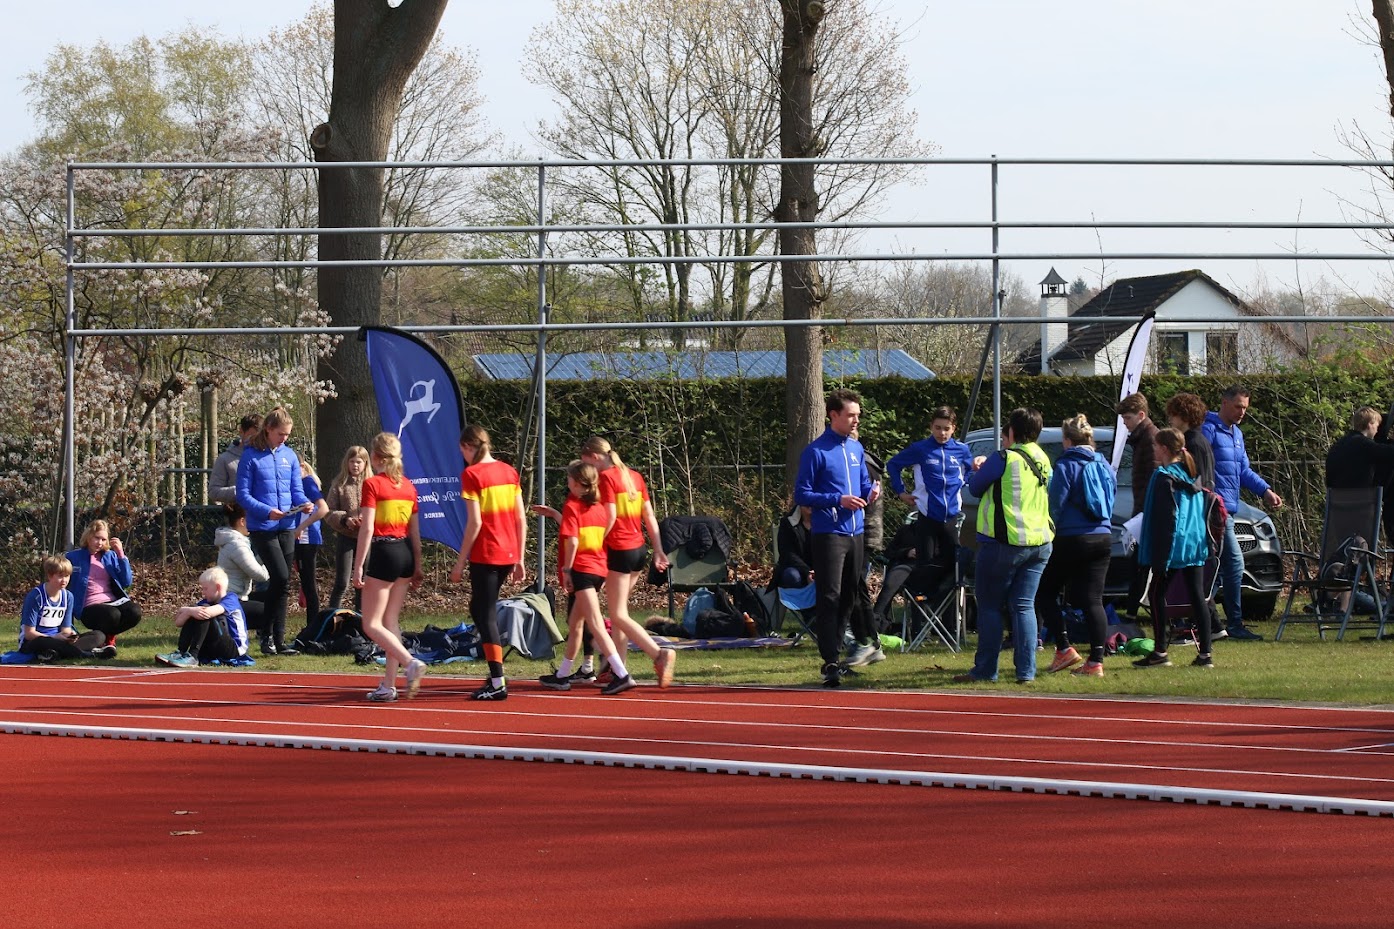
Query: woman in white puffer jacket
[235,556]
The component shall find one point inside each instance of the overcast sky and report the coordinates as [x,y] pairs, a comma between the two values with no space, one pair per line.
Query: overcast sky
[1271,79]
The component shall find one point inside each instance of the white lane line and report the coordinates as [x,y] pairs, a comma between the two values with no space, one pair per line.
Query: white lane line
[775,725]
[1165,793]
[298,727]
[149,679]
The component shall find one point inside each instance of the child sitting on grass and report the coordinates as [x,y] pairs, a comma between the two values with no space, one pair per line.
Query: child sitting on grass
[212,630]
[46,619]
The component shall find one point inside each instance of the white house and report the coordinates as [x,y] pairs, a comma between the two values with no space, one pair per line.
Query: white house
[1181,343]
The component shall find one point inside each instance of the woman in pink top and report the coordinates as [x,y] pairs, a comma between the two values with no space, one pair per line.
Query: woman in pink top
[101,582]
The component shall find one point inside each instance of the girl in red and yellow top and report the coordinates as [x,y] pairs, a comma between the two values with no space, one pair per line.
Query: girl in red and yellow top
[630,513]
[495,530]
[389,541]
[581,562]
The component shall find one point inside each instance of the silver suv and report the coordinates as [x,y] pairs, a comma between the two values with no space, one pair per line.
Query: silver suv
[1258,537]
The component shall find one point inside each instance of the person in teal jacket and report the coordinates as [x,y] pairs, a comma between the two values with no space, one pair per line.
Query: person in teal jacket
[1173,541]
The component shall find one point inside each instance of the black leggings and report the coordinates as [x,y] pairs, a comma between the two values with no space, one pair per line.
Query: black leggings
[485,582]
[1194,579]
[276,549]
[207,639]
[62,648]
[110,618]
[1078,565]
[344,551]
[306,560]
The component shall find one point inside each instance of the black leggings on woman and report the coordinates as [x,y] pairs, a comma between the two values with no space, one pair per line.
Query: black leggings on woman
[276,549]
[1078,565]
[306,560]
[344,550]
[1194,579]
[485,582]
[110,618]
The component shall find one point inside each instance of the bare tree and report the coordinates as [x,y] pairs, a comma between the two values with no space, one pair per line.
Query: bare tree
[1384,19]
[377,46]
[803,287]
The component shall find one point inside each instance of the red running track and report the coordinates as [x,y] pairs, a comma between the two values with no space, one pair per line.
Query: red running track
[1272,756]
[147,834]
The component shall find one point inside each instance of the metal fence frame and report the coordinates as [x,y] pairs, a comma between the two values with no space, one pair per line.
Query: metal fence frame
[541,229]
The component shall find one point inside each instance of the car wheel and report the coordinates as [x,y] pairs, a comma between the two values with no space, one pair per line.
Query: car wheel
[1259,607]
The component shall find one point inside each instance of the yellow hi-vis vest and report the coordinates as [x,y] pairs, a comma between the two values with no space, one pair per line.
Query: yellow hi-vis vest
[1016,510]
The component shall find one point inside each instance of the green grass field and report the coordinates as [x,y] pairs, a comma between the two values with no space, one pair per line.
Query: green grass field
[1357,671]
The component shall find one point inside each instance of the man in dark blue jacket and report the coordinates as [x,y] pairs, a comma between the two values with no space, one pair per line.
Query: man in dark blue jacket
[834,482]
[1233,473]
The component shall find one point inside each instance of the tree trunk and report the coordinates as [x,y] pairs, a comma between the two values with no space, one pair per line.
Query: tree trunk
[803,287]
[1384,19]
[376,48]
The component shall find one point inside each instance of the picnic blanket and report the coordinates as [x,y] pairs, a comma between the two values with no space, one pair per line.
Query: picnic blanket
[764,641]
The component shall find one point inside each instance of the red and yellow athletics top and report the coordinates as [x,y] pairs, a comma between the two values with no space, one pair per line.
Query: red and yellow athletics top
[628,531]
[493,487]
[586,524]
[392,505]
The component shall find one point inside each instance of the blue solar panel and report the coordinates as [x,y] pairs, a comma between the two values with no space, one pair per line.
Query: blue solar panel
[584,366]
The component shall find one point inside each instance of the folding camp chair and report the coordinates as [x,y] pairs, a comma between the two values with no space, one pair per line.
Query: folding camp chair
[938,611]
[1347,565]
[687,573]
[797,601]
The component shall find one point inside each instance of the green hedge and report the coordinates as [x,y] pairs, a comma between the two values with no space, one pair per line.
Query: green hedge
[717,446]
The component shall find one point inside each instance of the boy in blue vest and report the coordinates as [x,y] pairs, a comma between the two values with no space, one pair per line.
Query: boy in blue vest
[46,619]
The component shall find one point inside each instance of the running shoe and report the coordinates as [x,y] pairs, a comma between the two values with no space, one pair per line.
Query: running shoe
[1066,659]
[104,652]
[1242,633]
[242,661]
[1203,661]
[1090,669]
[490,692]
[603,678]
[617,685]
[861,655]
[663,666]
[182,660]
[832,675]
[583,675]
[415,672]
[555,681]
[1153,660]
[385,693]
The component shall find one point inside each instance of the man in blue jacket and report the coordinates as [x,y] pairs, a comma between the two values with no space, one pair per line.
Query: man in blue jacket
[939,464]
[1233,473]
[834,482]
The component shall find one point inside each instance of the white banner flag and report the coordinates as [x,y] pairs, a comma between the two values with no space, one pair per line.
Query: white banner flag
[1132,377]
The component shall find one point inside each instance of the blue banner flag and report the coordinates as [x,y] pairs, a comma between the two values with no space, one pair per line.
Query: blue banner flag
[419,402]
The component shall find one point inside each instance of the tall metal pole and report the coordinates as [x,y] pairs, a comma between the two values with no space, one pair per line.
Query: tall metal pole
[996,314]
[69,377]
[540,375]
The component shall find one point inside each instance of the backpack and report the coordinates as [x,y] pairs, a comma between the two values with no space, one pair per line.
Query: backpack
[1216,516]
[747,600]
[1099,488]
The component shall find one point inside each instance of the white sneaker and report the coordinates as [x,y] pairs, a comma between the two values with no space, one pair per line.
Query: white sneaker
[415,672]
[384,694]
[864,655]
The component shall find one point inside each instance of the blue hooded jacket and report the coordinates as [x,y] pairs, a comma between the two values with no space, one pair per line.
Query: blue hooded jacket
[117,566]
[1232,470]
[830,467]
[270,480]
[939,470]
[1067,509]
[1173,520]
